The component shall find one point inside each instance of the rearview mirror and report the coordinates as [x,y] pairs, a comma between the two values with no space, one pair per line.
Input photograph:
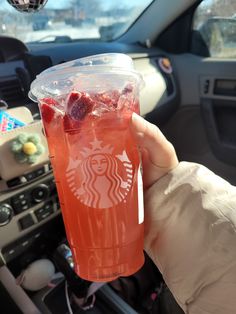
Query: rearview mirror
[27,6]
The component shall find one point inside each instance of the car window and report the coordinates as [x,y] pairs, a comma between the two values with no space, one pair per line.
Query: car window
[214,24]
[67,20]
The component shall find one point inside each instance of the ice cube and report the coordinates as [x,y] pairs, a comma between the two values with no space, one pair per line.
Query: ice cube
[101,108]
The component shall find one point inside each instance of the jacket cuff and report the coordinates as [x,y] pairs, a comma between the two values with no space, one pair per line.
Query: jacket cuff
[187,228]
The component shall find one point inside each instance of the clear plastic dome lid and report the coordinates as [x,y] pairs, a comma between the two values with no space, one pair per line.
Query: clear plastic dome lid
[60,79]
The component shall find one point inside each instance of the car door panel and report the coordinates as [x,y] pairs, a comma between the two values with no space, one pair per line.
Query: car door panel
[204,127]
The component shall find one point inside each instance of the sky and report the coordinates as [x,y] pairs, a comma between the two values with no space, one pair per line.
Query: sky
[105,3]
[52,4]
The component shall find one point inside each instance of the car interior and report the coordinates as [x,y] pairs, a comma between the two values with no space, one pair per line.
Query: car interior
[186,54]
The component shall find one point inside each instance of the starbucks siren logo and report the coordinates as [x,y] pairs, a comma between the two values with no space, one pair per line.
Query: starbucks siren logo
[100,179]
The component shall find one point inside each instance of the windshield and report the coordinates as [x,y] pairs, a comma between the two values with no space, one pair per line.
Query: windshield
[67,20]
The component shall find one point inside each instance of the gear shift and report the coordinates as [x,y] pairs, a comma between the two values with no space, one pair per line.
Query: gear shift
[63,260]
[83,291]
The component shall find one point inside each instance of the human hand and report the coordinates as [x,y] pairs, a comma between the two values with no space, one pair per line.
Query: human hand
[182,229]
[158,158]
[158,154]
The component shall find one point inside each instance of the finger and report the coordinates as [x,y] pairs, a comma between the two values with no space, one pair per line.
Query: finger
[160,150]
[148,170]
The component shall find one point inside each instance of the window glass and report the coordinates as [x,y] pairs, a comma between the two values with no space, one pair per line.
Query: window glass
[215,23]
[67,20]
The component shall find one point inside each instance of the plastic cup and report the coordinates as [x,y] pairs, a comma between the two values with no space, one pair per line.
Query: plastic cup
[86,107]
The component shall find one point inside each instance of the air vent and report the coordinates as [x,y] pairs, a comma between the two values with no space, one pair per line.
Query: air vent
[27,177]
[11,89]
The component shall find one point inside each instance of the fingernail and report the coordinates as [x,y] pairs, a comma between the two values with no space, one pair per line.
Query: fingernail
[138,124]
[136,117]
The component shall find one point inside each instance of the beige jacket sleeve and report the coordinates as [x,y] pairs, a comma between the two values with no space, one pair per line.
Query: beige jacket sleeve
[190,234]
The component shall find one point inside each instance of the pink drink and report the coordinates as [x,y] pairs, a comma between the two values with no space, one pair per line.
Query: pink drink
[96,165]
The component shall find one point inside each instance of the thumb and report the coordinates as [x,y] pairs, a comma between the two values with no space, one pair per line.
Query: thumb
[159,155]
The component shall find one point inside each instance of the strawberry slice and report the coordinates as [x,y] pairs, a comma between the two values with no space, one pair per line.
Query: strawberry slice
[47,113]
[70,124]
[47,109]
[79,105]
[110,99]
[128,89]
[50,101]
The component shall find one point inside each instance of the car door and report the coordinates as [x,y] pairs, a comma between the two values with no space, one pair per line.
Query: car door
[203,129]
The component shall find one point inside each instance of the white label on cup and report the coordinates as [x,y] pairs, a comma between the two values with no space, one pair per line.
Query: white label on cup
[104,178]
[140,197]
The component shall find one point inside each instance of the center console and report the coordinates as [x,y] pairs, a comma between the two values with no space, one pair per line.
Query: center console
[24,209]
